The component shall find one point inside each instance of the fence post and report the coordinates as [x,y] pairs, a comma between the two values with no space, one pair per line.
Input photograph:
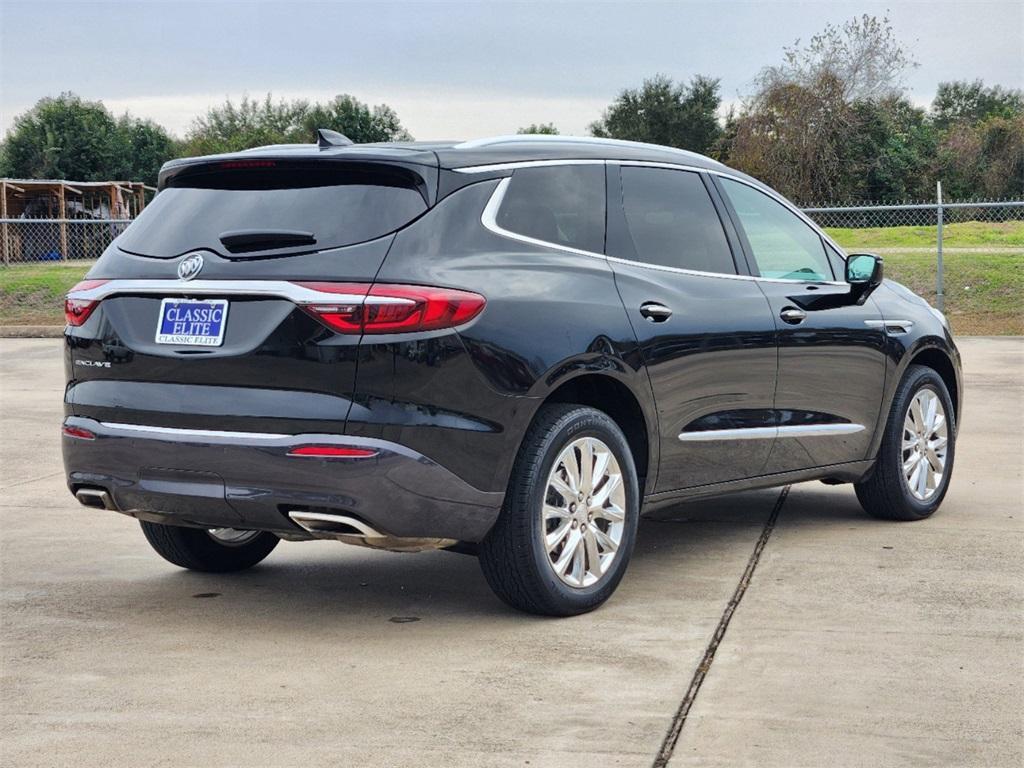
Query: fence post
[940,288]
[3,214]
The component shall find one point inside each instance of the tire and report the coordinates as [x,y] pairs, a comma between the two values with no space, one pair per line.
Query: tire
[516,561]
[887,493]
[198,550]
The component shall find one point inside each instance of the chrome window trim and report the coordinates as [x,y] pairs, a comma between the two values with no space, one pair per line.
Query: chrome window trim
[763,433]
[511,166]
[489,220]
[282,289]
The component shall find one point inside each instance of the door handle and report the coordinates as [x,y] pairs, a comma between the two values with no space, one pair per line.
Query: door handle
[655,312]
[792,315]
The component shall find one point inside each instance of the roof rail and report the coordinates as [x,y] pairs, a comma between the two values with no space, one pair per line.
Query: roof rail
[327,138]
[530,138]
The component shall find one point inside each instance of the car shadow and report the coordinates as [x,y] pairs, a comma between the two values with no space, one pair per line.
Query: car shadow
[312,584]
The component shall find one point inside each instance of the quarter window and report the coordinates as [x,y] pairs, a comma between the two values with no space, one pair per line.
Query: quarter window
[672,221]
[563,205]
[784,246]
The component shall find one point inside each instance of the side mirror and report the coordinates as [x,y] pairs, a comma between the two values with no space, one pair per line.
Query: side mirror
[863,273]
[864,269]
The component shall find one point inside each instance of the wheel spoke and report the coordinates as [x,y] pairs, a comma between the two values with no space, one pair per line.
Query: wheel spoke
[553,539]
[572,470]
[579,562]
[909,464]
[611,513]
[551,511]
[918,414]
[601,461]
[567,492]
[586,466]
[606,491]
[922,478]
[931,406]
[608,544]
[593,556]
[568,553]
[939,423]
[934,460]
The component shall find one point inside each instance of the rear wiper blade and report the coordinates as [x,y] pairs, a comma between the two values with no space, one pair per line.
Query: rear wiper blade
[244,240]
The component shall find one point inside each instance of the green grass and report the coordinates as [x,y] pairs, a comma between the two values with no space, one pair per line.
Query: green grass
[33,294]
[984,291]
[969,234]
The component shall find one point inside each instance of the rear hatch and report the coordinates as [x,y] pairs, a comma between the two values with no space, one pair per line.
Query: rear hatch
[223,305]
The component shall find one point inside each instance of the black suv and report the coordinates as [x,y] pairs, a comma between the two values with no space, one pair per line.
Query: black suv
[507,347]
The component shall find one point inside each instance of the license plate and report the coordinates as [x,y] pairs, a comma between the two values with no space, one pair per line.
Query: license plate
[192,323]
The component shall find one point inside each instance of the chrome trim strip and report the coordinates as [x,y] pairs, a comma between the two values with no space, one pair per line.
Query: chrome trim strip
[524,164]
[762,433]
[489,219]
[750,433]
[196,433]
[892,327]
[594,140]
[277,288]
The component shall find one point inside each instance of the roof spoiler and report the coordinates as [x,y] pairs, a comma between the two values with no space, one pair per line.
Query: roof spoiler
[326,139]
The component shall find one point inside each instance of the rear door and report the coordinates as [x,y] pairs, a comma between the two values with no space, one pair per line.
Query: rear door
[831,350]
[705,330]
[221,307]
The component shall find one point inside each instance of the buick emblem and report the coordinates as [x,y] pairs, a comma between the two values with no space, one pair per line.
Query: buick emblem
[191,266]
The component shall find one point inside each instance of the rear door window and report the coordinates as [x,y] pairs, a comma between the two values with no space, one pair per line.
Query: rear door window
[672,221]
[246,208]
[563,205]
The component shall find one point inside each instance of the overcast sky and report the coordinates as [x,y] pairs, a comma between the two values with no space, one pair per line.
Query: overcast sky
[454,70]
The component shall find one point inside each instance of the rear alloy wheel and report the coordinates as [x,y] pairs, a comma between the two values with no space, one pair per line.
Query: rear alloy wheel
[915,459]
[214,550]
[565,535]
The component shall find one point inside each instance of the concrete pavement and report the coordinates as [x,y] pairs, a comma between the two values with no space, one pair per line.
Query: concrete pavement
[858,642]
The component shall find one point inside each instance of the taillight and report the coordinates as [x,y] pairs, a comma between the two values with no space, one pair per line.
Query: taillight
[77,311]
[79,433]
[332,452]
[389,308]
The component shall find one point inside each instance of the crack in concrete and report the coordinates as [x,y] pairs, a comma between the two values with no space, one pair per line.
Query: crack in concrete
[668,746]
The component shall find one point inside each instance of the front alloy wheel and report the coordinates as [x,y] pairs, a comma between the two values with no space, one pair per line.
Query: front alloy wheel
[915,459]
[564,537]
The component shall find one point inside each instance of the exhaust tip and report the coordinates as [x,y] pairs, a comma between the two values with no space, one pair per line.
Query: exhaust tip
[96,498]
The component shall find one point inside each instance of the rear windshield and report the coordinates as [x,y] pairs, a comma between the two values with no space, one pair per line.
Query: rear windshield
[259,208]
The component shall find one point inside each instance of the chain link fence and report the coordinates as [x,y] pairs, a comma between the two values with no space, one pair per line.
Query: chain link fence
[966,257]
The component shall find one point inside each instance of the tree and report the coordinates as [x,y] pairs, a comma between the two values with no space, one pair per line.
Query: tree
[862,55]
[664,112]
[963,102]
[540,129]
[62,138]
[143,146]
[230,128]
[983,160]
[794,137]
[359,122]
[891,151]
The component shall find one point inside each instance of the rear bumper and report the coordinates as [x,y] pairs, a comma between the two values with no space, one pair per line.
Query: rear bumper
[247,480]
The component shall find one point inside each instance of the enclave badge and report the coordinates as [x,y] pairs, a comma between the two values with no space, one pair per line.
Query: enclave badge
[191,266]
